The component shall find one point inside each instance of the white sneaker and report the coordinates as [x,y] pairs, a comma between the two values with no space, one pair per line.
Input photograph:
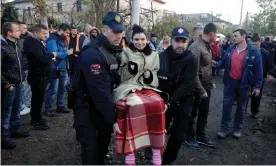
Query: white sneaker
[25,111]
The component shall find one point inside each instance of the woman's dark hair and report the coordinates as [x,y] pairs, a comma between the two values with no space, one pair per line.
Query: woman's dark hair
[64,27]
[227,45]
[94,29]
[137,29]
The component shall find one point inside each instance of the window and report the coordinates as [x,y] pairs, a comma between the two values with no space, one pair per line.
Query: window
[79,9]
[59,7]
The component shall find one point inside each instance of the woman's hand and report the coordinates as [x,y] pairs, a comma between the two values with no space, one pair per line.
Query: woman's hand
[147,74]
[132,68]
[116,128]
[166,108]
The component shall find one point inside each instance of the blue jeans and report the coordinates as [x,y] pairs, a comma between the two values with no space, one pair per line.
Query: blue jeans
[10,111]
[56,86]
[232,91]
[26,93]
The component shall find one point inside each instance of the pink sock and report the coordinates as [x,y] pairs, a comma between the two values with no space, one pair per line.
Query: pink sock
[156,157]
[130,159]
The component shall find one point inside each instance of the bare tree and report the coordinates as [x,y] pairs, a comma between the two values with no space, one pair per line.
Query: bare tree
[41,8]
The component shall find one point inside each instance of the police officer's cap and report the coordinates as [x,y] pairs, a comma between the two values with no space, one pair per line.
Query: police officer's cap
[114,21]
[180,32]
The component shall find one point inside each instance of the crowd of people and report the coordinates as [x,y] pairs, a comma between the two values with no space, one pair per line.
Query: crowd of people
[137,88]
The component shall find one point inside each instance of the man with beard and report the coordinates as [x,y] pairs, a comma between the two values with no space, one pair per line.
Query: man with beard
[57,44]
[202,50]
[243,67]
[96,77]
[178,77]
[73,42]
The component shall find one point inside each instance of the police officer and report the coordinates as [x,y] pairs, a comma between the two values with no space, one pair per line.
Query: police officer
[96,77]
[177,77]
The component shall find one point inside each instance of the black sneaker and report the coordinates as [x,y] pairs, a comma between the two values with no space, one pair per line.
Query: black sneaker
[42,120]
[7,144]
[206,141]
[148,153]
[62,110]
[20,134]
[49,114]
[255,115]
[167,163]
[40,126]
[193,144]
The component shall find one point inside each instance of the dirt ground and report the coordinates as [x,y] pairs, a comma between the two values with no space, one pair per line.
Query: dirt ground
[59,146]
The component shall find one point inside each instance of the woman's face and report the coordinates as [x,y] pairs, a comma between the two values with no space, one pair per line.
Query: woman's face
[139,41]
[94,33]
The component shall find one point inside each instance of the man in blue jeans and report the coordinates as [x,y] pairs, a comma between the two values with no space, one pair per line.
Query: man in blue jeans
[243,69]
[12,77]
[26,93]
[57,45]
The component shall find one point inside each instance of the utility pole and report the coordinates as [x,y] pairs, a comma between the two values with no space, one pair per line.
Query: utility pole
[118,6]
[135,12]
[152,15]
[241,13]
[246,21]
[212,17]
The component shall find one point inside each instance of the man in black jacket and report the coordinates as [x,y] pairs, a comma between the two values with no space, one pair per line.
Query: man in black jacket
[177,77]
[96,76]
[268,68]
[12,77]
[39,72]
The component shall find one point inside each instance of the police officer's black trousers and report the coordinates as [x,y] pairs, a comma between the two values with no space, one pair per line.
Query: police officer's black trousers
[200,111]
[256,101]
[181,116]
[38,88]
[93,133]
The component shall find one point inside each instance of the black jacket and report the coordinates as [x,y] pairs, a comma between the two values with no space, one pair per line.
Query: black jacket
[24,58]
[177,74]
[96,77]
[267,62]
[11,64]
[39,60]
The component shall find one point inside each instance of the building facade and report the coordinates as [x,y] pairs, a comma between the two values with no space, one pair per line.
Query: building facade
[201,19]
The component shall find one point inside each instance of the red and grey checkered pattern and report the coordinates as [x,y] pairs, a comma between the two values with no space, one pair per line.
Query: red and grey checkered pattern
[141,119]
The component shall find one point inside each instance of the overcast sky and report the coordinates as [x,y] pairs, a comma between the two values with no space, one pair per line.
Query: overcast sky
[230,9]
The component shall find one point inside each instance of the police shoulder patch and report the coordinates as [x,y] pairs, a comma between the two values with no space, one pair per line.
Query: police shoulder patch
[95,69]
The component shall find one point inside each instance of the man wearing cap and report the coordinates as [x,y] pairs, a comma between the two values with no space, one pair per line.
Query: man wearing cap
[96,77]
[177,77]
[201,48]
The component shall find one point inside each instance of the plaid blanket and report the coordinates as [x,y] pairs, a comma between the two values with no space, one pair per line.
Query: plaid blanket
[141,119]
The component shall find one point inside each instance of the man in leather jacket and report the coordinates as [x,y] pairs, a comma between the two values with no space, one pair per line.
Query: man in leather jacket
[12,77]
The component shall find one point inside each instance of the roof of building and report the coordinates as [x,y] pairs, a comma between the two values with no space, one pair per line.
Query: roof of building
[159,1]
[209,17]
[18,1]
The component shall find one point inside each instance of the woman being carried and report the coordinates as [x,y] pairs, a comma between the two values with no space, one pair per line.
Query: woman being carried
[140,108]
